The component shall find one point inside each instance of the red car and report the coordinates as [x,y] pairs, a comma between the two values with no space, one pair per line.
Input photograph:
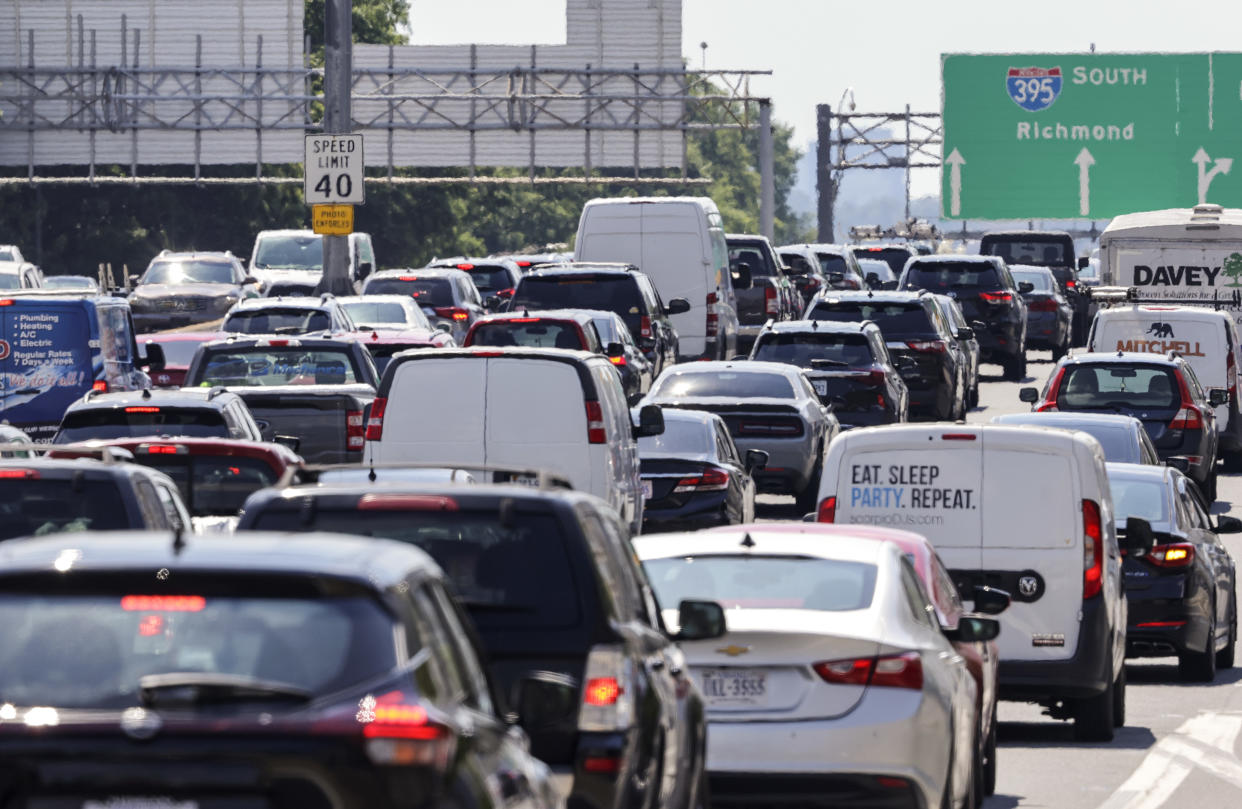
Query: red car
[382,344]
[179,348]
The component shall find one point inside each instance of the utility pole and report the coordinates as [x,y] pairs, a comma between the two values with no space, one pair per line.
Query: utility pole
[823,173]
[338,80]
[767,173]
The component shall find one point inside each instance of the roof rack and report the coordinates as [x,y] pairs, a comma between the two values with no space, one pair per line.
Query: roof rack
[540,479]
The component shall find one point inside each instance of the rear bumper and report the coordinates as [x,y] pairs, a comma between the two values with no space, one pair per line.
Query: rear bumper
[701,511]
[791,462]
[1167,602]
[1086,674]
[842,789]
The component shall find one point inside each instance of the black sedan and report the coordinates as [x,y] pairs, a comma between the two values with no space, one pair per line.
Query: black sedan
[245,675]
[693,475]
[1181,593]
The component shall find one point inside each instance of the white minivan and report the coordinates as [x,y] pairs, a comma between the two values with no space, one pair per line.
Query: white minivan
[559,411]
[679,243]
[1208,340]
[1024,509]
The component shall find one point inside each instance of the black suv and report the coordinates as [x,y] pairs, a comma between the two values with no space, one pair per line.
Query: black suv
[619,288]
[340,675]
[991,302]
[46,496]
[772,294]
[1053,249]
[919,339]
[198,412]
[557,594]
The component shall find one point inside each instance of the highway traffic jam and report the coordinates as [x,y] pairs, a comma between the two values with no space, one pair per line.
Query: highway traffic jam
[678,518]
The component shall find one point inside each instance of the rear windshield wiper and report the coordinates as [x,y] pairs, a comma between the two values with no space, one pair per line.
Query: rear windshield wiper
[204,687]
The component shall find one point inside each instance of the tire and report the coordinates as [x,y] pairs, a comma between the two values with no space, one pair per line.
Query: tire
[975,799]
[1209,487]
[1232,461]
[989,759]
[808,498]
[1013,369]
[1093,717]
[946,797]
[974,395]
[1060,351]
[1225,657]
[1200,667]
[1119,699]
[1022,365]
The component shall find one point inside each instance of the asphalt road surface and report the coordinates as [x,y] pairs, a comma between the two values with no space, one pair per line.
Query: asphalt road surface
[1179,748]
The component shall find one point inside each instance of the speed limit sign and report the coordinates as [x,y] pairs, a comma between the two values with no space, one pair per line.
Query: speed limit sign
[333,170]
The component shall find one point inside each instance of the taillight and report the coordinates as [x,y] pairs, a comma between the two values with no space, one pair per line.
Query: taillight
[712,480]
[644,327]
[595,424]
[996,297]
[607,692]
[891,671]
[713,318]
[849,283]
[355,429]
[618,361]
[1187,418]
[1092,549]
[142,409]
[827,510]
[928,346]
[451,312]
[1043,305]
[776,427]
[100,386]
[399,734]
[163,449]
[1071,284]
[505,293]
[375,424]
[771,304]
[1049,404]
[1179,554]
[872,378]
[19,474]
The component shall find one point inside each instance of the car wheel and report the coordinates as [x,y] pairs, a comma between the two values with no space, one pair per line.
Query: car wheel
[1060,351]
[975,799]
[1209,487]
[989,758]
[946,798]
[1224,658]
[1011,371]
[1232,461]
[1119,699]
[1200,667]
[974,394]
[1093,717]
[1022,366]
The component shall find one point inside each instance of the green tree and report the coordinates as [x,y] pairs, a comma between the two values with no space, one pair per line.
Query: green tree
[1233,269]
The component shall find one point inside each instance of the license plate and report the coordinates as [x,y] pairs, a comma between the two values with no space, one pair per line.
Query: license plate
[821,386]
[735,686]
[136,802]
[648,490]
[518,478]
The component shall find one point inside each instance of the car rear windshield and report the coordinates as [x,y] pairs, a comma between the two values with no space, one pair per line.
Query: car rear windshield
[277,321]
[189,272]
[93,650]
[896,320]
[833,262]
[139,420]
[611,293]
[1117,387]
[1041,254]
[425,291]
[368,314]
[177,353]
[944,276]
[511,574]
[490,278]
[300,252]
[753,255]
[269,366]
[382,354]
[607,329]
[734,384]
[522,332]
[880,268]
[764,582]
[680,438]
[34,505]
[1145,499]
[894,257]
[1041,282]
[211,484]
[1119,444]
[801,347]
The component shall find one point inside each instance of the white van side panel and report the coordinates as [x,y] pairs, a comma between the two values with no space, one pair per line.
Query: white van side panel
[536,418]
[677,258]
[440,418]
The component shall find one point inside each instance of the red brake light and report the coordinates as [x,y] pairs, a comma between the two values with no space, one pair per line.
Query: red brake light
[827,510]
[375,424]
[523,263]
[1092,549]
[999,296]
[505,293]
[712,480]
[406,502]
[452,312]
[618,361]
[19,474]
[1043,305]
[644,327]
[1178,554]
[1188,418]
[162,449]
[6,302]
[163,603]
[927,346]
[100,386]
[142,409]
[465,266]
[958,437]
[601,691]
[523,320]
[407,278]
[1071,283]
[893,671]
[595,424]
[771,305]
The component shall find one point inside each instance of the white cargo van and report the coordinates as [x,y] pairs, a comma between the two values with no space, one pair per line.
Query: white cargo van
[560,411]
[1208,340]
[679,243]
[1025,509]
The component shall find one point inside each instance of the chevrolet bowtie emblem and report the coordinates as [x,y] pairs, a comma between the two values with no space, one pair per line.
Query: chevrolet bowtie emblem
[733,651]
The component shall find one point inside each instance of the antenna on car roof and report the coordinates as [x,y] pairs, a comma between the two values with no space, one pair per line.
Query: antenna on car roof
[371,474]
[146,393]
[814,325]
[747,541]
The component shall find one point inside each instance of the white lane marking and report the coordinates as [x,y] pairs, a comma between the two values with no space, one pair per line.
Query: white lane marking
[1222,764]
[1167,765]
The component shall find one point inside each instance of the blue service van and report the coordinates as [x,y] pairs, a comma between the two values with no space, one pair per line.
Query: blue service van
[56,348]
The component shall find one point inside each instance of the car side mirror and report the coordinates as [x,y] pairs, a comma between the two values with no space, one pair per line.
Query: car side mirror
[444,327]
[1084,262]
[650,421]
[1218,396]
[756,459]
[873,279]
[677,306]
[965,333]
[1025,287]
[799,271]
[615,350]
[155,360]
[543,699]
[699,620]
[364,269]
[1139,538]
[974,630]
[1179,462]
[836,277]
[493,302]
[991,600]
[291,441]
[978,325]
[742,278]
[133,281]
[1028,395]
[1228,525]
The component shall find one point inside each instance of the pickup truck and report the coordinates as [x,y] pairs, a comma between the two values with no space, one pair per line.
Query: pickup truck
[316,390]
[771,296]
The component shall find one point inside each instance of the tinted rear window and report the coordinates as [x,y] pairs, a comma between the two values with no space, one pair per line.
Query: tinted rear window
[277,321]
[735,384]
[177,353]
[1041,254]
[800,348]
[895,257]
[541,334]
[831,262]
[189,272]
[115,422]
[940,277]
[1118,387]
[894,319]
[261,367]
[38,506]
[367,314]
[294,252]
[490,279]
[1145,499]
[516,576]
[611,293]
[1120,445]
[212,484]
[754,255]
[764,582]
[680,438]
[426,291]
[1041,282]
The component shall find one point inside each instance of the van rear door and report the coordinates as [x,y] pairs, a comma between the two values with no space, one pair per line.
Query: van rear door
[48,360]
[676,259]
[435,416]
[536,417]
[1033,540]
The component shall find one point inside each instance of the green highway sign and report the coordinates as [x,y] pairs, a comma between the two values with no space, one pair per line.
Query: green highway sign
[1075,135]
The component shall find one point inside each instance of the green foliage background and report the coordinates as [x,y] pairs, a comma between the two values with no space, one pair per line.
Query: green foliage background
[72,229]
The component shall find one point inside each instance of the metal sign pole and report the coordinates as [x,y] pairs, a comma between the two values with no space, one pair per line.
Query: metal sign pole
[337,120]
